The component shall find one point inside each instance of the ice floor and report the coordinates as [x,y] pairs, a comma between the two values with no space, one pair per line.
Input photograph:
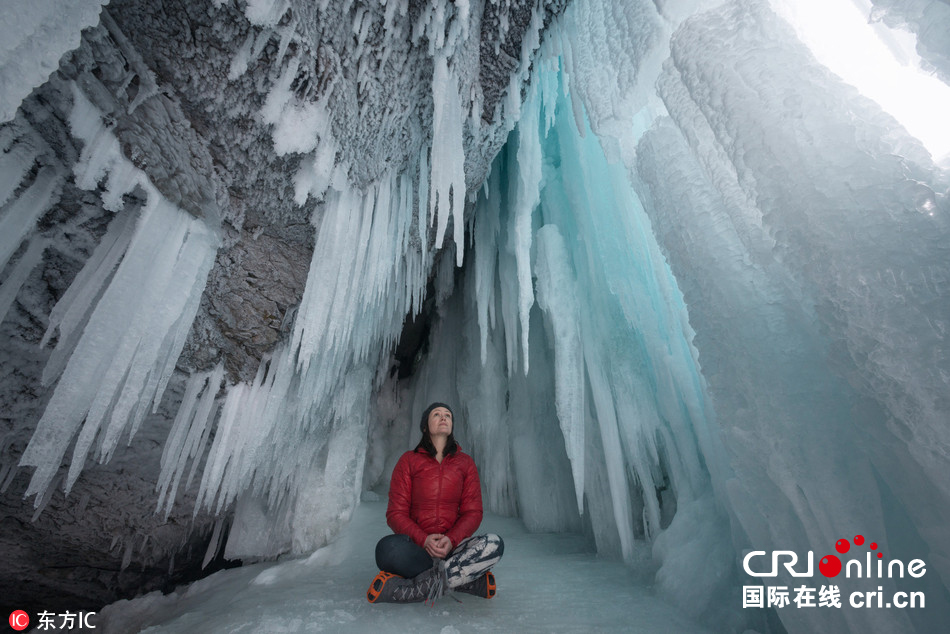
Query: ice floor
[546,583]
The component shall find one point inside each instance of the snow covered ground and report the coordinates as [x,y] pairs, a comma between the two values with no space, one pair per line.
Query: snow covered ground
[546,583]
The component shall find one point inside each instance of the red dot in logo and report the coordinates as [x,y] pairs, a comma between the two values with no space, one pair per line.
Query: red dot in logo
[842,546]
[873,545]
[19,620]
[859,539]
[880,555]
[829,566]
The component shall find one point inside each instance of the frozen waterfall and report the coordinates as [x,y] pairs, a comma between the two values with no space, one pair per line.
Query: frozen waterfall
[698,307]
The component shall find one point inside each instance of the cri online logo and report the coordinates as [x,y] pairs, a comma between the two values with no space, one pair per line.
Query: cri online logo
[19,620]
[830,565]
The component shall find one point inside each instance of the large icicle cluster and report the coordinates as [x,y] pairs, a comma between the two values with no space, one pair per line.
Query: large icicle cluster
[804,228]
[121,326]
[297,421]
[290,445]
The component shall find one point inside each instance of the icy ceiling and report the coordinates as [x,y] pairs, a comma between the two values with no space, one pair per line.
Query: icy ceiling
[687,288]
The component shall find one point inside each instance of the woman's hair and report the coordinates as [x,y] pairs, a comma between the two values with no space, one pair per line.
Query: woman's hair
[426,443]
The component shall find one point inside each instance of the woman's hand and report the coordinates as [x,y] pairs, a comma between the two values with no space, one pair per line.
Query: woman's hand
[432,545]
[445,546]
[437,545]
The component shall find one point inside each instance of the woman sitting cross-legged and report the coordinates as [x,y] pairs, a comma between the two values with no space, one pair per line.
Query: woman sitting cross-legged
[435,504]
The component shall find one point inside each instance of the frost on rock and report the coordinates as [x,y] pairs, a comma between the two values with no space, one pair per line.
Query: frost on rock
[33,37]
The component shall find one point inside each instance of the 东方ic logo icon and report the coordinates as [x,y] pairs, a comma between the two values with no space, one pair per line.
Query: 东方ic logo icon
[19,620]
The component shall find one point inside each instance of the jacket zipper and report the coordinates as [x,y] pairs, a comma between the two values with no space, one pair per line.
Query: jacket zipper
[438,499]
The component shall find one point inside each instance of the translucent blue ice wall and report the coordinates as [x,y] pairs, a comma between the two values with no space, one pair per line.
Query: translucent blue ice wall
[744,309]
[566,346]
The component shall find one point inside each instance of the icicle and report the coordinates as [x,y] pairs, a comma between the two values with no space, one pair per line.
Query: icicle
[240,60]
[191,426]
[421,223]
[557,297]
[72,309]
[127,554]
[523,201]
[613,456]
[8,472]
[24,266]
[18,217]
[287,34]
[448,156]
[487,227]
[43,500]
[213,544]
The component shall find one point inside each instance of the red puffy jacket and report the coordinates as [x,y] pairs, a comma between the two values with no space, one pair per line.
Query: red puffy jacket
[426,496]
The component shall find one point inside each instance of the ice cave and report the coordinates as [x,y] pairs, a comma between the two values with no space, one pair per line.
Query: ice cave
[681,267]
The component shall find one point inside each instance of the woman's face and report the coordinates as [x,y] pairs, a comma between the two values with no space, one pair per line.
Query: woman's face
[440,422]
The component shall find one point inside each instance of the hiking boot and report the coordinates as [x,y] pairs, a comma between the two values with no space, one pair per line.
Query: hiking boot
[390,588]
[483,587]
[378,585]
